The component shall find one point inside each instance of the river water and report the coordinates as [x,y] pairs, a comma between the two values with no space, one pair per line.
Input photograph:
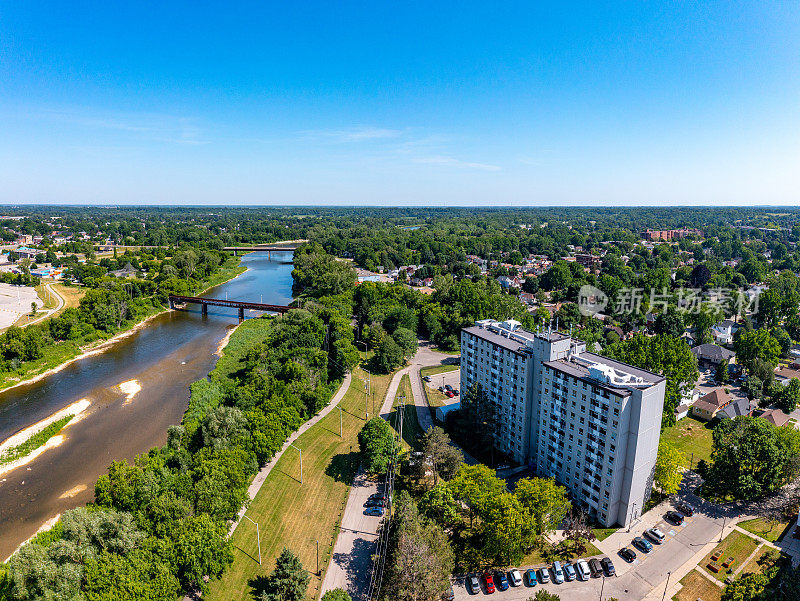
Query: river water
[164,358]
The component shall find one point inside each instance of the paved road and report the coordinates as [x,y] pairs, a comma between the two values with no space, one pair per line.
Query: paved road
[352,554]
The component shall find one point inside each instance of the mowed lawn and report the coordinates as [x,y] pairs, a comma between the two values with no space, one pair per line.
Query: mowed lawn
[411,428]
[692,437]
[696,586]
[736,545]
[771,530]
[294,515]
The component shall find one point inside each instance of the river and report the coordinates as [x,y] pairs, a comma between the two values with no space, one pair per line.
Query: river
[164,357]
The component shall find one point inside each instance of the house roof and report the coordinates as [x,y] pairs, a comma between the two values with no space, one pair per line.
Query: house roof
[775,416]
[718,397]
[713,352]
[787,372]
[740,406]
[706,406]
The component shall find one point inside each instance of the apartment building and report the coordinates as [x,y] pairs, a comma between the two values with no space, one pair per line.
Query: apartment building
[587,421]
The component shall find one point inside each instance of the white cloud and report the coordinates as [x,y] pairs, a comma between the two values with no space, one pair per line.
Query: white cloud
[357,134]
[448,161]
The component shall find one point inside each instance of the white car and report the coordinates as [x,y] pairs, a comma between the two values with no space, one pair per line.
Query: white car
[558,573]
[655,535]
[582,567]
[515,577]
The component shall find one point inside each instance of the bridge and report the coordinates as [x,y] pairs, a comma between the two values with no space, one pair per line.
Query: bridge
[175,299]
[268,248]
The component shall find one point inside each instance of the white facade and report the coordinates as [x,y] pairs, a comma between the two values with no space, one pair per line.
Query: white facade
[589,422]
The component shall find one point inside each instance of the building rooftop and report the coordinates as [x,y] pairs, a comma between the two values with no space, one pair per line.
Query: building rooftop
[614,376]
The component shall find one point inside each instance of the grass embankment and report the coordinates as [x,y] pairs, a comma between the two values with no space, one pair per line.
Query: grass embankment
[72,296]
[298,515]
[770,530]
[411,428]
[34,442]
[696,586]
[736,545]
[603,533]
[692,437]
[54,355]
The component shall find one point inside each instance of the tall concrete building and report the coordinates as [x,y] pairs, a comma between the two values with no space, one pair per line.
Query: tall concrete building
[589,422]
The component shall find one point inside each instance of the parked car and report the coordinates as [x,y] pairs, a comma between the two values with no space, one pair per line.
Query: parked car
[673,517]
[500,580]
[448,387]
[643,545]
[374,511]
[655,535]
[455,391]
[378,495]
[544,575]
[426,378]
[514,577]
[441,388]
[449,595]
[608,565]
[595,567]
[473,584]
[450,394]
[569,571]
[530,577]
[489,581]
[685,508]
[558,573]
[582,568]
[374,503]
[627,554]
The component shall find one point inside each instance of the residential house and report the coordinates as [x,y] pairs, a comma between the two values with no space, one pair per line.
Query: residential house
[739,406]
[775,416]
[786,373]
[723,331]
[712,403]
[711,355]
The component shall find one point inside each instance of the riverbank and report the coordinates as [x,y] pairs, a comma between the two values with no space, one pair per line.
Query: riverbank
[66,353]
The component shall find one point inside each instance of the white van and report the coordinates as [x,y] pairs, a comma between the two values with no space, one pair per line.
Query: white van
[582,567]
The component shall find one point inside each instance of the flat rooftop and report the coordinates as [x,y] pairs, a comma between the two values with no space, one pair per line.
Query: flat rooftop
[578,367]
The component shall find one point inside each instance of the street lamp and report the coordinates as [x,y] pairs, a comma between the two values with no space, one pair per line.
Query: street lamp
[258,536]
[301,461]
[340,422]
[602,586]
[721,532]
[665,586]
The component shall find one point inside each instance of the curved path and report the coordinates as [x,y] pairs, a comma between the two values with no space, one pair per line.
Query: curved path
[351,561]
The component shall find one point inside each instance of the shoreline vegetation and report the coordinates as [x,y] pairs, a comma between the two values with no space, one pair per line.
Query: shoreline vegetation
[63,354]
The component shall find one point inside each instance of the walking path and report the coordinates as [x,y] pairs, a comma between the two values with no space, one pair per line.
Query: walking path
[351,561]
[261,476]
[48,312]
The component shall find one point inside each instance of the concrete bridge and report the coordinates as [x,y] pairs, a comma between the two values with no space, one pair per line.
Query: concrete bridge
[268,248]
[176,299]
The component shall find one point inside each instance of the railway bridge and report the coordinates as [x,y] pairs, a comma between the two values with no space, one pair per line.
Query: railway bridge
[177,299]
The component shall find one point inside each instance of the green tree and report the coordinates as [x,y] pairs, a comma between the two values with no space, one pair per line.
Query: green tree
[336,594]
[543,595]
[748,459]
[388,355]
[722,375]
[664,355]
[668,475]
[473,484]
[788,397]
[407,341]
[756,344]
[288,581]
[670,323]
[440,454]
[503,527]
[545,501]
[439,505]
[377,444]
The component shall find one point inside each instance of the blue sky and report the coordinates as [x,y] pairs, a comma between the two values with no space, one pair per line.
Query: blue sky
[410,103]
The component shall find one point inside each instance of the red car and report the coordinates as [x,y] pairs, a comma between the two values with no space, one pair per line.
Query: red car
[450,394]
[489,580]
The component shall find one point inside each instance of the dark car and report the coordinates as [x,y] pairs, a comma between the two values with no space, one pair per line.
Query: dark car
[455,391]
[595,568]
[530,577]
[675,518]
[643,545]
[378,495]
[685,508]
[374,511]
[489,581]
[375,503]
[426,378]
[608,566]
[473,584]
[627,554]
[441,388]
[448,387]
[501,580]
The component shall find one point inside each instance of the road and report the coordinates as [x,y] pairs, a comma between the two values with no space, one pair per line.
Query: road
[351,563]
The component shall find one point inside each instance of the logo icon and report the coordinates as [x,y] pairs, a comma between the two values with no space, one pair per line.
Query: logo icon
[591,300]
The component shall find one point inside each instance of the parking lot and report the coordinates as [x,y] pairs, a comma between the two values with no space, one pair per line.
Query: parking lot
[635,581]
[449,377]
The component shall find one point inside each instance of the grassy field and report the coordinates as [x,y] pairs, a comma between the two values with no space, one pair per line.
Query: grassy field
[766,529]
[298,515]
[736,545]
[71,295]
[604,533]
[692,437]
[437,369]
[696,586]
[411,428]
[534,558]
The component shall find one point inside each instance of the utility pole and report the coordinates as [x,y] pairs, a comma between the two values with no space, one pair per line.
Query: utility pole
[258,536]
[301,461]
[602,586]
[665,586]
[340,422]
[721,532]
[318,573]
